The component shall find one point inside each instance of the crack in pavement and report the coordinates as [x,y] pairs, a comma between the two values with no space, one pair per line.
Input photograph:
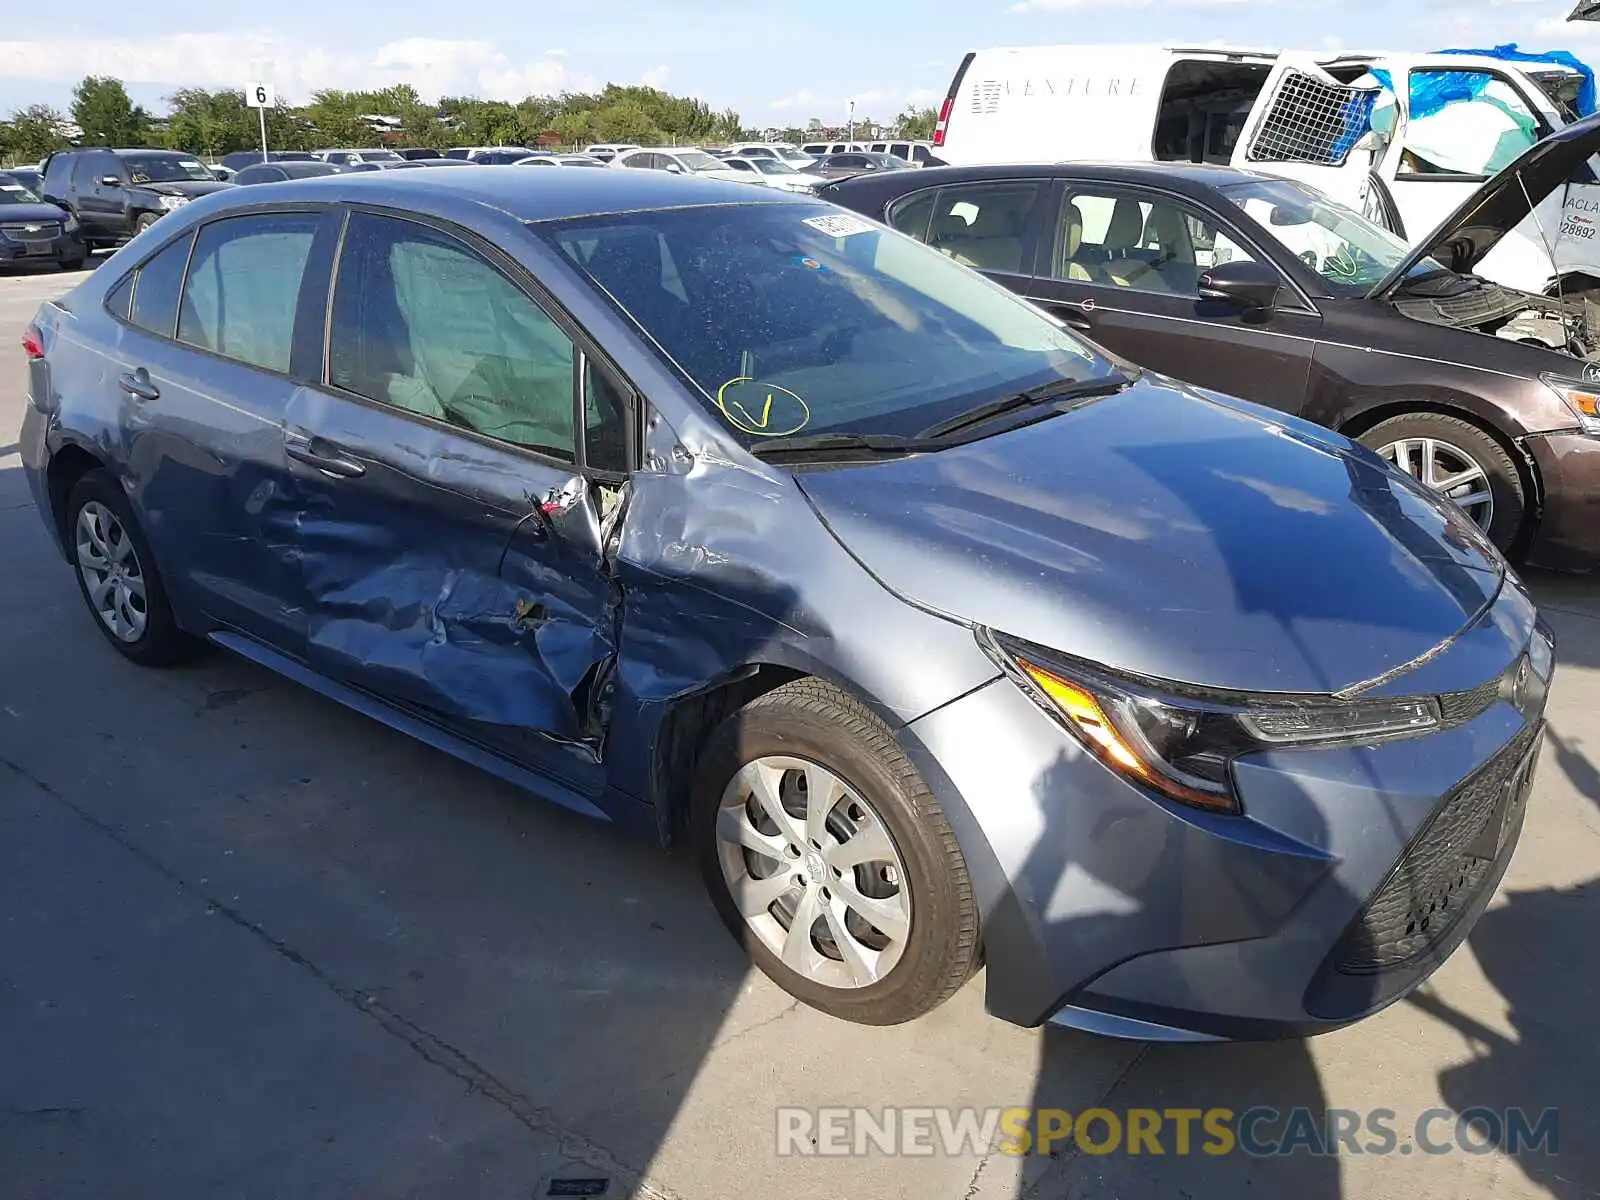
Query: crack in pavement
[431,1048]
[1058,1168]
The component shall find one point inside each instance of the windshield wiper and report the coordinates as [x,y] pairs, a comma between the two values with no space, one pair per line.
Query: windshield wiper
[1063,394]
[816,443]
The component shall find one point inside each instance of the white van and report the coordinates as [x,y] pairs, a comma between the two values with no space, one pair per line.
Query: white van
[1343,123]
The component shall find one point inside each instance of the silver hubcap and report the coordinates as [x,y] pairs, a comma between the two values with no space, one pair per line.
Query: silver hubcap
[1448,470]
[814,872]
[111,572]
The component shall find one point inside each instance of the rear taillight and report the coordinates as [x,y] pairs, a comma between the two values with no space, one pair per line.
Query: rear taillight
[944,120]
[32,343]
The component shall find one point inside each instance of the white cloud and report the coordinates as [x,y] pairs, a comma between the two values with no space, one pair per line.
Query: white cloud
[656,77]
[434,66]
[800,99]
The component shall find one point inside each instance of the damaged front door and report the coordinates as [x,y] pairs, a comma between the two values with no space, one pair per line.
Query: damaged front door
[447,554]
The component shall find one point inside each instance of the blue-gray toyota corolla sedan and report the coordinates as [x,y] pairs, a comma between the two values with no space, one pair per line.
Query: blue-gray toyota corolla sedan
[735,519]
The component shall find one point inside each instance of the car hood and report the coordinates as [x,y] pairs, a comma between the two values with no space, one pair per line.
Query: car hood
[186,187]
[10,214]
[1174,535]
[1504,202]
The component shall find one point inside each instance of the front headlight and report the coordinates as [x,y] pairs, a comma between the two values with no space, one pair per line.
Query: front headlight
[168,203]
[70,225]
[1181,742]
[1582,398]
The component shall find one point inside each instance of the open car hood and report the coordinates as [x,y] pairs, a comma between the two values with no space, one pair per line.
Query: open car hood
[1467,235]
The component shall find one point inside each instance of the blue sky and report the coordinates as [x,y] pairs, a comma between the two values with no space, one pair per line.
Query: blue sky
[776,63]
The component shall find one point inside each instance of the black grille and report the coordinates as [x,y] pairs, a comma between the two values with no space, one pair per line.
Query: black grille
[32,231]
[1456,707]
[1443,869]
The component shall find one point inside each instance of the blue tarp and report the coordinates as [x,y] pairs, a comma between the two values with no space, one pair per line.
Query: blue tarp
[1511,53]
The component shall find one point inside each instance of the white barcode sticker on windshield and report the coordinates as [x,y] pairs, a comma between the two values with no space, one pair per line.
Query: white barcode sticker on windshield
[839,226]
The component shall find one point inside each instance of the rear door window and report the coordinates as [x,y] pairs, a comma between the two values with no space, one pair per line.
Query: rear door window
[243,283]
[156,288]
[985,225]
[423,323]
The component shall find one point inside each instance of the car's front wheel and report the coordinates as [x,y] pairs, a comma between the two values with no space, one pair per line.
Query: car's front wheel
[1461,462]
[117,574]
[830,861]
[144,222]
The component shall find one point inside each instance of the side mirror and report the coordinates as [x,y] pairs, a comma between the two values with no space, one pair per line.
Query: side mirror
[1252,286]
[110,181]
[675,168]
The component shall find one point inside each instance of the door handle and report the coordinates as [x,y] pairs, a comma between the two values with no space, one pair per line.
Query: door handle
[137,384]
[325,457]
[1077,321]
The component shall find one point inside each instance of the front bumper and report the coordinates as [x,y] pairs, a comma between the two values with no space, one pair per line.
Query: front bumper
[1568,537]
[65,248]
[1120,913]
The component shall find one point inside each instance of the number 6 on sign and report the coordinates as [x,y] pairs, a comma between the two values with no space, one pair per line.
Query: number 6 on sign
[260,95]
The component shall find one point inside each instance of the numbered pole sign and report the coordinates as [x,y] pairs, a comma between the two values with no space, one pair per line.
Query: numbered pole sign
[260,95]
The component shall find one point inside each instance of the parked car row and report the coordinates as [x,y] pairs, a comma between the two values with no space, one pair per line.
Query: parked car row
[940,634]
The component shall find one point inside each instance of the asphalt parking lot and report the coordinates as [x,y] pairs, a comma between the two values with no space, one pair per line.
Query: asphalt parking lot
[252,944]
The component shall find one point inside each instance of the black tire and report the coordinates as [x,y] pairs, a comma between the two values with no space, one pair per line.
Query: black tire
[144,222]
[815,721]
[1506,486]
[162,643]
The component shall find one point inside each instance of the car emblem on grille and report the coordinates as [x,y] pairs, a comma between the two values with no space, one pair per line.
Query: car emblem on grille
[32,228]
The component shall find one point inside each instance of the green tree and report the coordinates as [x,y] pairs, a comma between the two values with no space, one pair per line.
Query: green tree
[626,121]
[917,123]
[101,108]
[334,117]
[35,131]
[211,123]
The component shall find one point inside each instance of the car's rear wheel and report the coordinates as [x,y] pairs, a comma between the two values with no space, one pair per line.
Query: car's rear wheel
[1461,462]
[830,861]
[117,575]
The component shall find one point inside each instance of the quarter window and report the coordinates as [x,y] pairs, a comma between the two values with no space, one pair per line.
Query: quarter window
[1138,243]
[984,225]
[422,323]
[243,283]
[155,290]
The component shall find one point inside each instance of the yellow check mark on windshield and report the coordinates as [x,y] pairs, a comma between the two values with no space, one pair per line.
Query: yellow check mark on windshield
[766,412]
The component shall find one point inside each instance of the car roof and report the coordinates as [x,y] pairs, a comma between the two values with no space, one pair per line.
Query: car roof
[524,195]
[1190,177]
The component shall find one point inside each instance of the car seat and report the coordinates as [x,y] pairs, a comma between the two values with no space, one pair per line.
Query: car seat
[1126,266]
[1174,263]
[1073,268]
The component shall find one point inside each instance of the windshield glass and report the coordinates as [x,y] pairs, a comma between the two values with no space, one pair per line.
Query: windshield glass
[790,154]
[381,156]
[793,318]
[154,168]
[1350,252]
[771,166]
[12,192]
[698,160]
